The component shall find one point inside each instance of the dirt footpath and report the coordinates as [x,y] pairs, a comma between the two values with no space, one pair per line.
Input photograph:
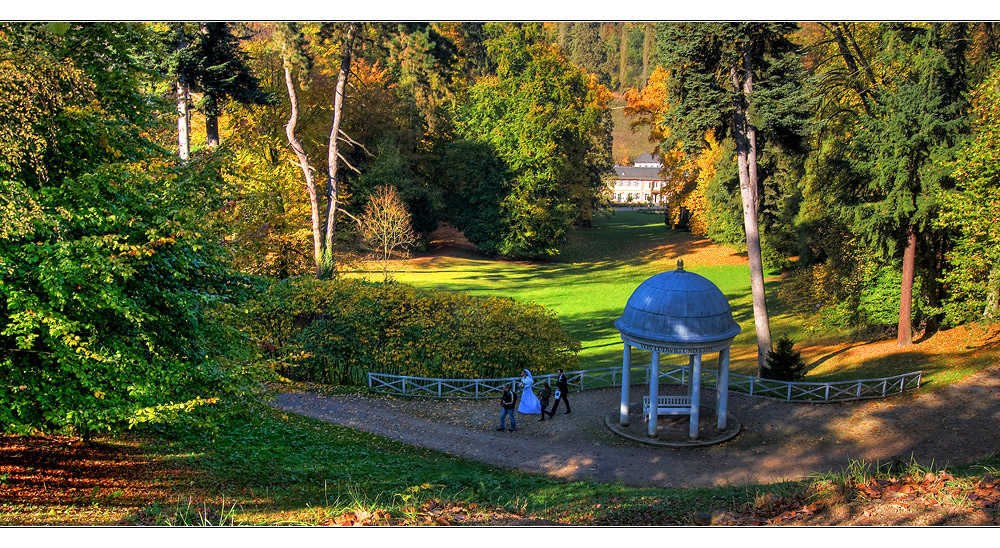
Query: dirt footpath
[954,425]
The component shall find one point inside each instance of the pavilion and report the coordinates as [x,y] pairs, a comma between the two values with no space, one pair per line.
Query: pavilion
[677,312]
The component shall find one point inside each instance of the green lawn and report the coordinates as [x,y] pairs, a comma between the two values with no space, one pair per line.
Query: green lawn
[588,285]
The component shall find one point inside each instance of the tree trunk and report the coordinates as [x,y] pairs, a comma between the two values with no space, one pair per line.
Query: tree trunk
[905,337]
[647,46]
[300,154]
[992,294]
[746,155]
[211,115]
[211,130]
[183,119]
[332,192]
[622,57]
[872,82]
[183,116]
[852,66]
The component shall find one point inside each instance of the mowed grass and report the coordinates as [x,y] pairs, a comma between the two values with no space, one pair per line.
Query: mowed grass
[588,284]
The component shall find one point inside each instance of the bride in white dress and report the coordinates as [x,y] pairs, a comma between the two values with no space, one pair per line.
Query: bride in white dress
[529,402]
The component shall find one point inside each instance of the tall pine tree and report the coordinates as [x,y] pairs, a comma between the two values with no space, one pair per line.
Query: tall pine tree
[221,73]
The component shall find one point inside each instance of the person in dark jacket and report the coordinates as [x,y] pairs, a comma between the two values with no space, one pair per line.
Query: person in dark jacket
[562,391]
[543,397]
[507,404]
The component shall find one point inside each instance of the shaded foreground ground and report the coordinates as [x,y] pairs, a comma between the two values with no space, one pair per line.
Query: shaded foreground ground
[58,480]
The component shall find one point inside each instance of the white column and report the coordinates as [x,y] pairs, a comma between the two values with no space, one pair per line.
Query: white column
[695,396]
[690,372]
[654,393]
[626,381]
[723,388]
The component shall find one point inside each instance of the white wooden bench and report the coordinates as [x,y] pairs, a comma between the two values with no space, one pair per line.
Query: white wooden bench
[667,405]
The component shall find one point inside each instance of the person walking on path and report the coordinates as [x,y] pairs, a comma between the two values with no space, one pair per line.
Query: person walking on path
[507,404]
[544,396]
[562,391]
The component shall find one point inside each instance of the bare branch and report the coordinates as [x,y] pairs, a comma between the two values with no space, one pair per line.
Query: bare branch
[348,164]
[345,212]
[348,138]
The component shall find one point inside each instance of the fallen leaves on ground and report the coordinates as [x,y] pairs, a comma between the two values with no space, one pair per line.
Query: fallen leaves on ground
[927,499]
[435,512]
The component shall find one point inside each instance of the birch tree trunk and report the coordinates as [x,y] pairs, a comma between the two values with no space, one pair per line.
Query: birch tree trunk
[183,116]
[332,192]
[746,156]
[905,337]
[303,160]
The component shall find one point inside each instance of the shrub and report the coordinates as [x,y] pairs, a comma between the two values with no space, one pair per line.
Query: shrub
[337,331]
[783,363]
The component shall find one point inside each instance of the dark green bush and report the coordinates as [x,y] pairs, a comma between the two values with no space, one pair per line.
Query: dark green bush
[336,331]
[783,363]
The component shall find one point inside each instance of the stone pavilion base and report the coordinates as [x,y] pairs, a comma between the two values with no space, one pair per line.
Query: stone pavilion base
[672,430]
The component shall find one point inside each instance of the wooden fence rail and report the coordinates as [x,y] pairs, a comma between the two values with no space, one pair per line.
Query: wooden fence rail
[588,379]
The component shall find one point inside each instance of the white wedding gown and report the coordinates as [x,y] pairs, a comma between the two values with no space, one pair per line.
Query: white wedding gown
[529,402]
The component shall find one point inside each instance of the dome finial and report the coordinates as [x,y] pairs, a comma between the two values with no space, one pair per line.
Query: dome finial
[680,264]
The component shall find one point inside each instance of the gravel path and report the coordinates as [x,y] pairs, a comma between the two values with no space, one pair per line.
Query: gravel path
[954,425]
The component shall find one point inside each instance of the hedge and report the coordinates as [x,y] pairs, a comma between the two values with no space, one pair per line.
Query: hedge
[336,331]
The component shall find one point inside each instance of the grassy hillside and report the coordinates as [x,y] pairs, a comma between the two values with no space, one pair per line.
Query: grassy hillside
[589,283]
[626,144]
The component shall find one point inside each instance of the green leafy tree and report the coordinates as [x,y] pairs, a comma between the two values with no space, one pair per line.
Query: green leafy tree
[108,288]
[548,125]
[588,49]
[970,211]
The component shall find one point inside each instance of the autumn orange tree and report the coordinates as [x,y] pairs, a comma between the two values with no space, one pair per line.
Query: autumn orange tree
[687,174]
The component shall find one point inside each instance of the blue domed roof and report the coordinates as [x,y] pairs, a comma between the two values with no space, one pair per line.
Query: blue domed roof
[678,307]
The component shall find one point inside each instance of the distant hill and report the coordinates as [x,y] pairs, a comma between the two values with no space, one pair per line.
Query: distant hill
[626,144]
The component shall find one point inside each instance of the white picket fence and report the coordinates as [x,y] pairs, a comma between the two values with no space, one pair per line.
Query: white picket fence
[815,392]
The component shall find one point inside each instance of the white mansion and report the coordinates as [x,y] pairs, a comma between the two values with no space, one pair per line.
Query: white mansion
[639,183]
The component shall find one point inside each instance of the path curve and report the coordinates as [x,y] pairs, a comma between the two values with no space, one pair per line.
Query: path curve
[958,424]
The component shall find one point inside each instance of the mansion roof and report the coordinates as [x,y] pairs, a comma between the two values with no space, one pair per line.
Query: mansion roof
[638,173]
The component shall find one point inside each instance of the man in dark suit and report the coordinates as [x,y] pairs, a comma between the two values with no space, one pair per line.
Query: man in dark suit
[562,391]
